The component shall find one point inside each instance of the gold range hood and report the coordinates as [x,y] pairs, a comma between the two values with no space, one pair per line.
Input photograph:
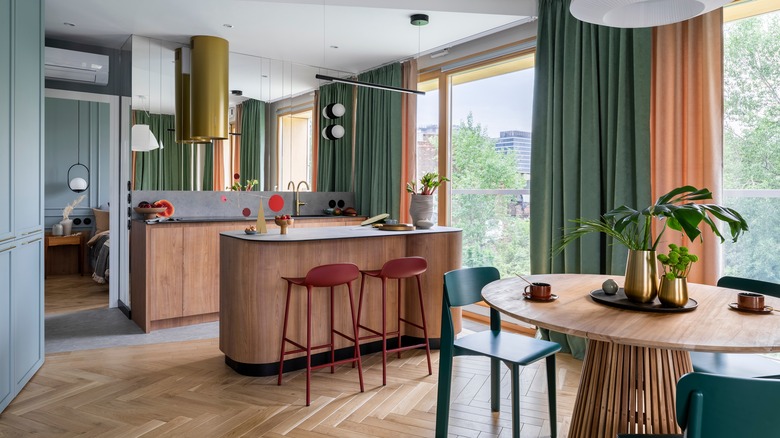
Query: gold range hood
[202,90]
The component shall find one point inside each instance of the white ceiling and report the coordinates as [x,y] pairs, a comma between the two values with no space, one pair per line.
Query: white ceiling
[301,33]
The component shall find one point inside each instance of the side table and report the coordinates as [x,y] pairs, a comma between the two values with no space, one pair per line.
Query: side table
[73,239]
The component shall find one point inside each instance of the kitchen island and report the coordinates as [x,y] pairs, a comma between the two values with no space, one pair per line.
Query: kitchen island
[252,291]
[174,266]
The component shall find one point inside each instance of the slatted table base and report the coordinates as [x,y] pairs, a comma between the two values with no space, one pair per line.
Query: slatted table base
[627,389]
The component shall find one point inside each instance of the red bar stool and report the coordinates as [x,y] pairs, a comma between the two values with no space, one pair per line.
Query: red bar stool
[401,268]
[322,276]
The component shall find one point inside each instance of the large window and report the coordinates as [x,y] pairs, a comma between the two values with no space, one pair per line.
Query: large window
[295,154]
[489,144]
[751,174]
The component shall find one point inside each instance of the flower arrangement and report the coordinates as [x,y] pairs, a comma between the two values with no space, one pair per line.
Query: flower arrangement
[428,183]
[69,208]
[237,187]
[677,264]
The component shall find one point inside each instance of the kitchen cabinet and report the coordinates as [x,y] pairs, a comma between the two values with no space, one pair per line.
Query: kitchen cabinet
[21,195]
[174,268]
[6,230]
[5,323]
[26,309]
[26,120]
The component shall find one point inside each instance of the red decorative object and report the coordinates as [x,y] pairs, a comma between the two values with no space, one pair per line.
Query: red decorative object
[223,198]
[246,212]
[276,203]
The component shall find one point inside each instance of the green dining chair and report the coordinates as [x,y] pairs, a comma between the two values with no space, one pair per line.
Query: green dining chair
[463,287]
[737,364]
[715,406]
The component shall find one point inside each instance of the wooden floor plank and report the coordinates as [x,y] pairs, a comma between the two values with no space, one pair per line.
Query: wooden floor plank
[185,389]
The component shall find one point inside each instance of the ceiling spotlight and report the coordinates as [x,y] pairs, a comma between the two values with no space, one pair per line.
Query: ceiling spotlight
[236,92]
[334,47]
[229,26]
[69,24]
[419,20]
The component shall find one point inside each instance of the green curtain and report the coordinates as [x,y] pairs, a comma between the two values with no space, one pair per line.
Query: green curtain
[591,139]
[334,164]
[378,144]
[252,141]
[167,168]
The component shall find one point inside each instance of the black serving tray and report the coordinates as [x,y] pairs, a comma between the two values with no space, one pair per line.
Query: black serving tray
[619,300]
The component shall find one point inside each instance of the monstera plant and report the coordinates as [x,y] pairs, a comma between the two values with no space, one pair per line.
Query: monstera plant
[676,209]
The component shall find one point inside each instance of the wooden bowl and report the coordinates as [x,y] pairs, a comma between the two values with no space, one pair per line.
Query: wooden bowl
[149,212]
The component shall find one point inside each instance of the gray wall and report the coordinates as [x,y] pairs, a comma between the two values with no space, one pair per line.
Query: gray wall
[71,124]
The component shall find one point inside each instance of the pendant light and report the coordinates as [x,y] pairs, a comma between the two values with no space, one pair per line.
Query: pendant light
[77,183]
[640,13]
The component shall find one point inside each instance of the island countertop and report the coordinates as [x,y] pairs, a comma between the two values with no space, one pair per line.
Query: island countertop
[252,290]
[327,233]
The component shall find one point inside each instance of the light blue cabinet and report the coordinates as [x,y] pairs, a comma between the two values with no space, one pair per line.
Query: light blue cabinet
[5,323]
[26,310]
[26,121]
[21,193]
[6,228]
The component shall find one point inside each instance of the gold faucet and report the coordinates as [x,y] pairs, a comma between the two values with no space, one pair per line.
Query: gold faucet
[298,202]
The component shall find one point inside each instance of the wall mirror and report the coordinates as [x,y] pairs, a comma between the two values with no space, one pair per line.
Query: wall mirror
[286,88]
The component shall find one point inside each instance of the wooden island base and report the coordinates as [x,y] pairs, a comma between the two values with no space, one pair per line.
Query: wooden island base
[252,292]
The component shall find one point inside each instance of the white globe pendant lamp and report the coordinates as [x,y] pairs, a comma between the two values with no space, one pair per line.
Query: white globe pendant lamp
[640,13]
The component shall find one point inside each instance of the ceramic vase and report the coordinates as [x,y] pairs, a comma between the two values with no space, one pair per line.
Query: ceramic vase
[421,208]
[67,224]
[641,285]
[674,292]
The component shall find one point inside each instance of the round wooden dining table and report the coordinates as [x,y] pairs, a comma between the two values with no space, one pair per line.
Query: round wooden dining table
[634,358]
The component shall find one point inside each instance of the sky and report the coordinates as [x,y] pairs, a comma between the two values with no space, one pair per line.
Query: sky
[499,103]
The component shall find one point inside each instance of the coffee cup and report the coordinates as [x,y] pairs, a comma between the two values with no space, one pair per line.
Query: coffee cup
[750,300]
[538,291]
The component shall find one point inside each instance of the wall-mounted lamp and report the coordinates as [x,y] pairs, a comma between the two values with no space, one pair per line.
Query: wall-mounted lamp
[333,111]
[640,13]
[333,132]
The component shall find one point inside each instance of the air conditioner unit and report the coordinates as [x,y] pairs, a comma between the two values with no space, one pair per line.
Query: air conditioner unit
[73,66]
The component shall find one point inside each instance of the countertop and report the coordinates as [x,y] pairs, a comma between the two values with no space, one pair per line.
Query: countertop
[329,233]
[175,220]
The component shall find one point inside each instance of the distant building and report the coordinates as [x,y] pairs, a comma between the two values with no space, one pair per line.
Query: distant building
[518,142]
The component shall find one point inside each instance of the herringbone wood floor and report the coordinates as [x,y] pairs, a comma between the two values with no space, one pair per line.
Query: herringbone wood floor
[186,390]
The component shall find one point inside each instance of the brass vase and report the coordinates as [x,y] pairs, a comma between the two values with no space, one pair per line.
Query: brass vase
[674,292]
[641,285]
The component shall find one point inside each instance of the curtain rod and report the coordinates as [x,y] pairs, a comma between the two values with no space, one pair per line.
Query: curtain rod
[369,85]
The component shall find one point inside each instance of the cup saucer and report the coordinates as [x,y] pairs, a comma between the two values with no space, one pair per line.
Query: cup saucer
[766,309]
[528,297]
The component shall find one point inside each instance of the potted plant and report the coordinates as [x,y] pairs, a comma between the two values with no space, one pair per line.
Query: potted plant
[673,291]
[678,211]
[421,207]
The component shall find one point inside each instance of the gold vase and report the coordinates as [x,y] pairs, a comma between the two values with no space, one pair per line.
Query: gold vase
[641,285]
[674,292]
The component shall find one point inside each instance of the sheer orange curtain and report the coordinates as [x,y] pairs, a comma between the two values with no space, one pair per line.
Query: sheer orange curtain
[235,144]
[219,161]
[686,122]
[409,135]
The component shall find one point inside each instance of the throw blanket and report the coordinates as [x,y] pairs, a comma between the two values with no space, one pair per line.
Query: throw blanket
[100,245]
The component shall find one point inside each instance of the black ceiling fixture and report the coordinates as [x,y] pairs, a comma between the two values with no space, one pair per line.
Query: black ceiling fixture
[419,20]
